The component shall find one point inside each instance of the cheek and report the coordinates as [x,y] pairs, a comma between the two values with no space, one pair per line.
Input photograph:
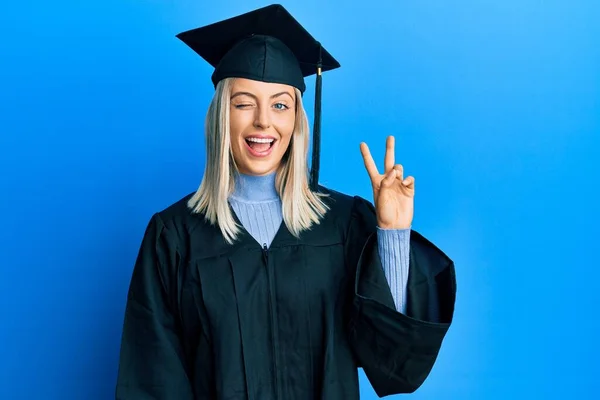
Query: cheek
[286,127]
[237,124]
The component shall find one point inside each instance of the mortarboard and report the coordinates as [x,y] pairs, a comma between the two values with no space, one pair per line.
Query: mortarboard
[269,45]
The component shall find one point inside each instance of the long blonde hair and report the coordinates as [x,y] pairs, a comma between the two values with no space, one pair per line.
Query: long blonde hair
[301,207]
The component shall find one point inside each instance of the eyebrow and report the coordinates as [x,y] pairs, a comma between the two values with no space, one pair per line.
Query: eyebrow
[252,95]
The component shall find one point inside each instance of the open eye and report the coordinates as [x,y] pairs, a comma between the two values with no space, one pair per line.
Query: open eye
[280,106]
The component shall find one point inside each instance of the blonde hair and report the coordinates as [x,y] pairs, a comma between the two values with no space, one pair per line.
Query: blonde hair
[301,207]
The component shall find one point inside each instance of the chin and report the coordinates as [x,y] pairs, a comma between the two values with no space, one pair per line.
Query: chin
[254,169]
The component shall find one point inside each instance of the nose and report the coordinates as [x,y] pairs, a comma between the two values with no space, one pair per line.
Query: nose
[261,118]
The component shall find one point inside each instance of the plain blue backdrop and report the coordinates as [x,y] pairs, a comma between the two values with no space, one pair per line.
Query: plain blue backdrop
[495,105]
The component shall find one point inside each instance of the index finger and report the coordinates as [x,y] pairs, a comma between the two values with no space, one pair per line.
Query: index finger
[369,162]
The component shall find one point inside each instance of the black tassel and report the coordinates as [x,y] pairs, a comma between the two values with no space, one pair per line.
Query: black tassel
[316,148]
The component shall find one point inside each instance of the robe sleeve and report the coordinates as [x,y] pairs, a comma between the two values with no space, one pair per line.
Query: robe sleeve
[152,363]
[396,350]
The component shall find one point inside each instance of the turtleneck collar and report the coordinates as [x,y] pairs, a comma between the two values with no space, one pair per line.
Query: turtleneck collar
[253,188]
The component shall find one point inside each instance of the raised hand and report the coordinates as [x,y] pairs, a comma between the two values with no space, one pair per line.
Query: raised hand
[393,194]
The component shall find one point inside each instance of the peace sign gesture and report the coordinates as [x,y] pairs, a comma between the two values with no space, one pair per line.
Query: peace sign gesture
[392,194]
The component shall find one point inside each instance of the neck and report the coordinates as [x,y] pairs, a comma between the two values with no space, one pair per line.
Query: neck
[255,187]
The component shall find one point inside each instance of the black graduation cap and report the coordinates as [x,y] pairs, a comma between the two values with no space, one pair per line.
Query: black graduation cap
[268,45]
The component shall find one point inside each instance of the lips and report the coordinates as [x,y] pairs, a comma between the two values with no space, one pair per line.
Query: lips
[259,145]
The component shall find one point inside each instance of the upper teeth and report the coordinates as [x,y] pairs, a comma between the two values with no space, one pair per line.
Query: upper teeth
[259,140]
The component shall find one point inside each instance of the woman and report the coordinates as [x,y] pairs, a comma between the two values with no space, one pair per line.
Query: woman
[259,286]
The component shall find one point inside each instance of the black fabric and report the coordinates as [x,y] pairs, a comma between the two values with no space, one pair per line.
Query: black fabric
[267,44]
[208,320]
[397,351]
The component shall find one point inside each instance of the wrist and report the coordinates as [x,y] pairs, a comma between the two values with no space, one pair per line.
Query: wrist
[393,227]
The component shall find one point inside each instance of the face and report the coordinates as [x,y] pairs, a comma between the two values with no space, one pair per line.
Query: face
[262,117]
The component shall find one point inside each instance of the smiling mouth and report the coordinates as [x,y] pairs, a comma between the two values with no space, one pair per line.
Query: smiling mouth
[260,145]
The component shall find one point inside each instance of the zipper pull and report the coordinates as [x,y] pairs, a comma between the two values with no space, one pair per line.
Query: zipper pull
[265,253]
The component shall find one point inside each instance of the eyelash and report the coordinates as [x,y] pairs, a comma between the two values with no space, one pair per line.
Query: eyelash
[286,107]
[241,106]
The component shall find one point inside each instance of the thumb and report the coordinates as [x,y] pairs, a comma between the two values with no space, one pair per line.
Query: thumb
[389,179]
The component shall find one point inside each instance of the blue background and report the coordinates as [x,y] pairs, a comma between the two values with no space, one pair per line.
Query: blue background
[495,105]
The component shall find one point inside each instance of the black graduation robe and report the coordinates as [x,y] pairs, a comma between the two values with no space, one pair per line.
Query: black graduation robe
[209,320]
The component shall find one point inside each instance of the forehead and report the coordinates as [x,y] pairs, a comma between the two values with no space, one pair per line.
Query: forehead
[259,87]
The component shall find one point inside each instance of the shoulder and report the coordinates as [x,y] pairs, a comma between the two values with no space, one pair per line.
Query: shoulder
[346,211]
[177,210]
[178,219]
[346,205]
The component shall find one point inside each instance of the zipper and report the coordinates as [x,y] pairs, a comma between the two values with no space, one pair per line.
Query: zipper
[266,255]
[274,336]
